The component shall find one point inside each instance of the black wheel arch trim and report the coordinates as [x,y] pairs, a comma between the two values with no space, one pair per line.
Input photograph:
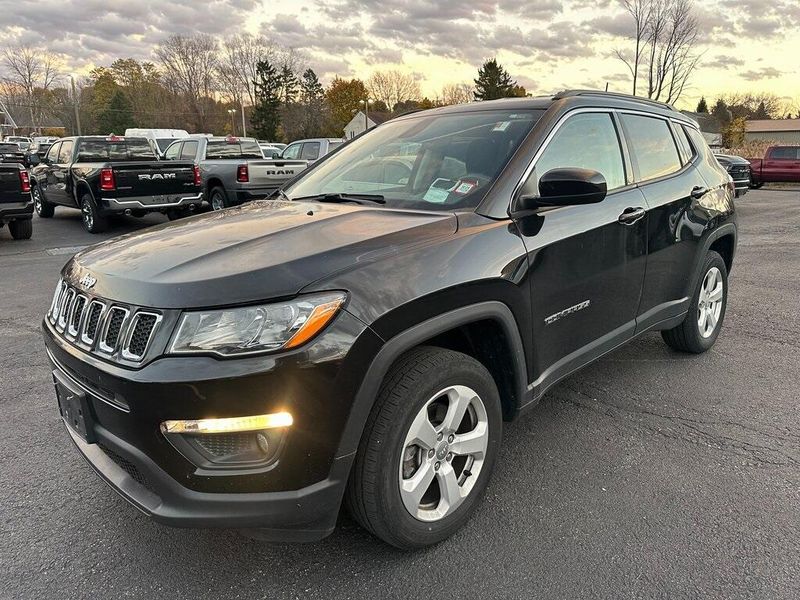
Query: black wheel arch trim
[418,334]
[727,229]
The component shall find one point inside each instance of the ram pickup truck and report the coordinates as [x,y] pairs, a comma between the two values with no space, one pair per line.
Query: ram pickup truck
[234,170]
[780,164]
[103,176]
[312,149]
[739,170]
[16,205]
[255,368]
[11,153]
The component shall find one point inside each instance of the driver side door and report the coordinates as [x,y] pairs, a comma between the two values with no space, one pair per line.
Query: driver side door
[587,262]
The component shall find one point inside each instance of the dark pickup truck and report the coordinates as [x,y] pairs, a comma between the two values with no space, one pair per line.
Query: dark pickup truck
[780,164]
[112,175]
[11,153]
[16,206]
[363,339]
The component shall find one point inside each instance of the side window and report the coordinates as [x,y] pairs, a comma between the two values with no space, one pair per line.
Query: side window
[189,150]
[65,153]
[291,151]
[173,151]
[310,151]
[586,141]
[653,148]
[785,153]
[52,154]
[687,151]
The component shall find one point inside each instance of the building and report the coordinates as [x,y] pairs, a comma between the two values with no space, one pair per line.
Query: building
[16,120]
[785,131]
[361,122]
[709,127]
[7,123]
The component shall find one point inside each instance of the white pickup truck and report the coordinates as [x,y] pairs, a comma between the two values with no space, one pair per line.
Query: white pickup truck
[233,169]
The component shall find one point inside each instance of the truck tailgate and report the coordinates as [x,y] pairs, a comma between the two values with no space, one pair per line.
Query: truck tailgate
[273,173]
[154,178]
[10,184]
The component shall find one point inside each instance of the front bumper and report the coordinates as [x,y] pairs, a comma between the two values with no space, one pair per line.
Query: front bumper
[295,498]
[14,211]
[150,203]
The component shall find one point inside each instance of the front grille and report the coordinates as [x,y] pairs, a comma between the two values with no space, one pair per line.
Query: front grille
[97,325]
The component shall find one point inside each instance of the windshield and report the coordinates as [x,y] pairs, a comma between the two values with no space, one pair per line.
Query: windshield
[428,162]
[9,148]
[99,150]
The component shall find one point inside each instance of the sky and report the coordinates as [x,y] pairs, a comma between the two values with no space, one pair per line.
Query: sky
[546,45]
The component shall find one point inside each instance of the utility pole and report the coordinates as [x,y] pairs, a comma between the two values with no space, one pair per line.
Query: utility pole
[365,102]
[75,105]
[232,113]
[244,127]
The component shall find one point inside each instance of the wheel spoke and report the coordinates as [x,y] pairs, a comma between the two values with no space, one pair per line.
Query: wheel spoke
[414,489]
[715,295]
[702,321]
[422,432]
[459,398]
[449,489]
[711,319]
[471,443]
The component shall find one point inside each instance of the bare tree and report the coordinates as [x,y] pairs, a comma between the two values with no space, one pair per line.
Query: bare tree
[456,93]
[189,64]
[29,74]
[665,36]
[392,87]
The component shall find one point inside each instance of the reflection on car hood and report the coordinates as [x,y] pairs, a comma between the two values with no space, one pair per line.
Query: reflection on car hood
[258,251]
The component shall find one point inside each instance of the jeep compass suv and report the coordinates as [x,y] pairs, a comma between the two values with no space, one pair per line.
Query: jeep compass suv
[362,337]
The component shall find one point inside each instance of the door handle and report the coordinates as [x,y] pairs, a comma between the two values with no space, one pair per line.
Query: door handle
[630,215]
[698,192]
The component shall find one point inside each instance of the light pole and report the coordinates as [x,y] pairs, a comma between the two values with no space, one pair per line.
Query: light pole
[365,103]
[244,127]
[232,112]
[75,104]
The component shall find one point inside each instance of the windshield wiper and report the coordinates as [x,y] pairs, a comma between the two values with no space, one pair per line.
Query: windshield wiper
[357,198]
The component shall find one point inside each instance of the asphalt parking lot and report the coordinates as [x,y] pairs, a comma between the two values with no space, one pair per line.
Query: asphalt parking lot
[648,475]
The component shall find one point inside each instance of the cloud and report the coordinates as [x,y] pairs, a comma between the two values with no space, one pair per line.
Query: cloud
[764,73]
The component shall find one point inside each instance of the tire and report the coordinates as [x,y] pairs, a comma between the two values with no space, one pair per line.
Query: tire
[93,221]
[43,208]
[756,185]
[21,230]
[173,214]
[385,463]
[690,336]
[218,199]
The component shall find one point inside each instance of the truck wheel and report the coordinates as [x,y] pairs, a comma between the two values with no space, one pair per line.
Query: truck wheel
[93,221]
[427,450]
[756,185]
[42,207]
[218,199]
[702,325]
[21,230]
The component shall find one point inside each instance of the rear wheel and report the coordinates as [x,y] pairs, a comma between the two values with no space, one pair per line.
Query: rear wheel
[42,207]
[218,199]
[93,221]
[21,230]
[702,324]
[428,448]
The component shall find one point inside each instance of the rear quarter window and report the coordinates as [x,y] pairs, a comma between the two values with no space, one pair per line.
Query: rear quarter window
[223,149]
[653,148]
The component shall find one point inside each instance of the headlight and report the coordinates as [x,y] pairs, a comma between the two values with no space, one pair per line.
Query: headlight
[252,329]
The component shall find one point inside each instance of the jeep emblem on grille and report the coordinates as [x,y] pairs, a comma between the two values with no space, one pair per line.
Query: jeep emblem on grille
[87,281]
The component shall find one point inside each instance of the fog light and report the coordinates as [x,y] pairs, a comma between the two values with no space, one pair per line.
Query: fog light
[263,442]
[229,425]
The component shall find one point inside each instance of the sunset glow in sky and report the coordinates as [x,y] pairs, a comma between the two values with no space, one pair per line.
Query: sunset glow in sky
[547,45]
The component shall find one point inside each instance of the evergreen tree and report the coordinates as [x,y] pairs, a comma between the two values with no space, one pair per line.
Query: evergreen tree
[312,99]
[266,112]
[289,85]
[311,90]
[721,113]
[493,82]
[761,112]
[117,116]
[702,107]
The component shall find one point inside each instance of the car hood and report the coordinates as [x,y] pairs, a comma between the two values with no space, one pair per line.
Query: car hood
[256,252]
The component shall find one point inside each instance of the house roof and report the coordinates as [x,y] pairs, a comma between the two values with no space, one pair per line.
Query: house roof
[379,117]
[773,125]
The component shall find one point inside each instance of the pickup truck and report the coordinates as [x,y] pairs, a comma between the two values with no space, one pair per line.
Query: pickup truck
[739,170]
[233,170]
[16,206]
[102,176]
[312,149]
[255,368]
[10,153]
[780,164]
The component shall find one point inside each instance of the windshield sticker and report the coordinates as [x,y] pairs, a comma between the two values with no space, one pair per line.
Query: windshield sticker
[465,186]
[439,191]
[501,126]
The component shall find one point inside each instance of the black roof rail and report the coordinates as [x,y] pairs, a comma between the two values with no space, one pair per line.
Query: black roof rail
[621,96]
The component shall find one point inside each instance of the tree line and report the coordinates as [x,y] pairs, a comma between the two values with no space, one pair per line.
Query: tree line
[205,85]
[729,113]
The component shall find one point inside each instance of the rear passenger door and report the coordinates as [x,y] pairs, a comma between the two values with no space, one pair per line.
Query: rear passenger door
[189,150]
[60,186]
[672,184]
[310,151]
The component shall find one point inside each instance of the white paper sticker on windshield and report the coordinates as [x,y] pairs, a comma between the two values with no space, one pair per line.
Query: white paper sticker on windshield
[439,191]
[501,126]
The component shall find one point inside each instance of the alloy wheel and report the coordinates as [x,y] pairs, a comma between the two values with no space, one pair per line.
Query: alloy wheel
[37,200]
[709,305]
[88,217]
[217,202]
[443,453]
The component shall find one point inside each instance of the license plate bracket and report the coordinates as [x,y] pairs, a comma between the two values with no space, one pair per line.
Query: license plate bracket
[74,407]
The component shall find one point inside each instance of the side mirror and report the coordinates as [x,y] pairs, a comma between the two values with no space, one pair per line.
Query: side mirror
[563,187]
[34,160]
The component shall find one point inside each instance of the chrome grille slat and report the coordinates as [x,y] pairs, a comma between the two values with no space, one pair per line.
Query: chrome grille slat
[119,332]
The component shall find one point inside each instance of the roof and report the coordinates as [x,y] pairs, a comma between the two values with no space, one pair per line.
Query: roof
[772,125]
[379,117]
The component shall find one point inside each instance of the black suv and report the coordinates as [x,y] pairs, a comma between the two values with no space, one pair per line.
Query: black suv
[364,337]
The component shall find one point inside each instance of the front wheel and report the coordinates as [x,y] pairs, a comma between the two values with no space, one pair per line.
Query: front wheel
[21,230]
[702,324]
[93,221]
[42,207]
[428,448]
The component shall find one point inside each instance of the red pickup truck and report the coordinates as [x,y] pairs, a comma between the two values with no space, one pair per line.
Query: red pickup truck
[780,164]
